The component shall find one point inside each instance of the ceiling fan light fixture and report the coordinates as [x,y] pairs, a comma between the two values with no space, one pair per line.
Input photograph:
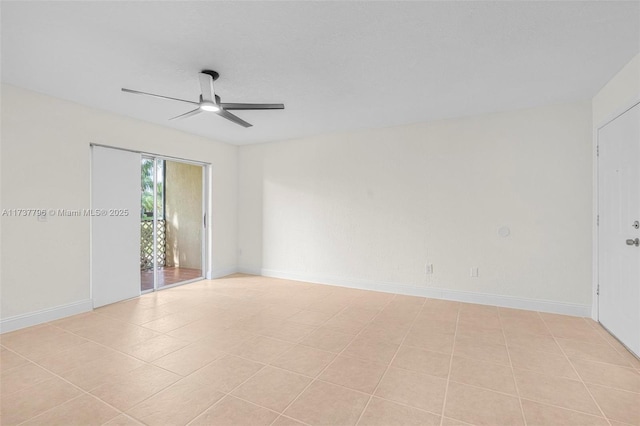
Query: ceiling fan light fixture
[209,106]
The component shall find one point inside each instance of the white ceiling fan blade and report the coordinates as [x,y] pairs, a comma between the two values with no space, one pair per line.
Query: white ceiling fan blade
[206,85]
[234,118]
[137,92]
[236,106]
[187,114]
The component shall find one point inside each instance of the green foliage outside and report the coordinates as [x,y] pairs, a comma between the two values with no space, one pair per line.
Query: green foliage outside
[147,189]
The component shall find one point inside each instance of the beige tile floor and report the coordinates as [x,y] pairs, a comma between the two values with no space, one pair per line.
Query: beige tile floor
[248,350]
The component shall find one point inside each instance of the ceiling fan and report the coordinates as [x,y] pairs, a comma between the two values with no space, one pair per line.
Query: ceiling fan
[210,102]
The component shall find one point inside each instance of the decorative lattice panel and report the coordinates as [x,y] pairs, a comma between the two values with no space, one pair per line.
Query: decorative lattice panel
[146,244]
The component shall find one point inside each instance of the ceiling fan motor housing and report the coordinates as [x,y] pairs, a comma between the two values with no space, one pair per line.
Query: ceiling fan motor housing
[214,75]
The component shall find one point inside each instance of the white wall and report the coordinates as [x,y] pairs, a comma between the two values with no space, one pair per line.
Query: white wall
[372,208]
[367,208]
[45,164]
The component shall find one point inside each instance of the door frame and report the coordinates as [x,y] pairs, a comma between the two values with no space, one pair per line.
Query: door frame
[207,236]
[595,315]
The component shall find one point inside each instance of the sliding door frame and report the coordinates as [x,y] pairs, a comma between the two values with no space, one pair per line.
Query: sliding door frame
[155,221]
[205,262]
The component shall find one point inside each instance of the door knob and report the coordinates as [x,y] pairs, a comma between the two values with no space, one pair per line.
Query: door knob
[635,242]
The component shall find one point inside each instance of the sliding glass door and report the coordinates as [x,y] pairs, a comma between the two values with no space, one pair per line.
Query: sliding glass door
[171,223]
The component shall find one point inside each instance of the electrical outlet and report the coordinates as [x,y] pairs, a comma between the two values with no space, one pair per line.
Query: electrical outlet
[475,272]
[429,269]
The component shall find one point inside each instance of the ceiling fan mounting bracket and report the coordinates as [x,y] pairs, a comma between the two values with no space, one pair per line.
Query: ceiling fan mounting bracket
[214,75]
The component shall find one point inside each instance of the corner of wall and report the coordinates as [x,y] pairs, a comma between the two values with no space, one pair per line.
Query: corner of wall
[618,94]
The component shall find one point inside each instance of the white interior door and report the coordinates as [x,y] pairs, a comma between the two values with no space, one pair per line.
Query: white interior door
[618,233]
[115,235]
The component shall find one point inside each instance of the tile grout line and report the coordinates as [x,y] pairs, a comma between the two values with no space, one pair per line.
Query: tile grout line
[52,408]
[228,394]
[413,321]
[548,404]
[224,395]
[527,398]
[264,365]
[119,412]
[457,421]
[599,362]
[83,392]
[627,366]
[427,374]
[317,379]
[407,370]
[56,375]
[338,354]
[251,376]
[575,370]
[599,328]
[513,373]
[501,392]
[235,397]
[446,389]
[188,343]
[290,418]
[145,362]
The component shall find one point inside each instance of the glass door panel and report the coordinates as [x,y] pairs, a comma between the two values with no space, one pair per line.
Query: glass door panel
[184,222]
[171,220]
[152,232]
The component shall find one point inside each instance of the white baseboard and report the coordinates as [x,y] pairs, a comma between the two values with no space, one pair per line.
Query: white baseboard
[45,315]
[219,273]
[249,271]
[438,293]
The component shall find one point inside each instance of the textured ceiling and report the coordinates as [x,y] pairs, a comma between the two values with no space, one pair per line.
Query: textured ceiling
[335,65]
